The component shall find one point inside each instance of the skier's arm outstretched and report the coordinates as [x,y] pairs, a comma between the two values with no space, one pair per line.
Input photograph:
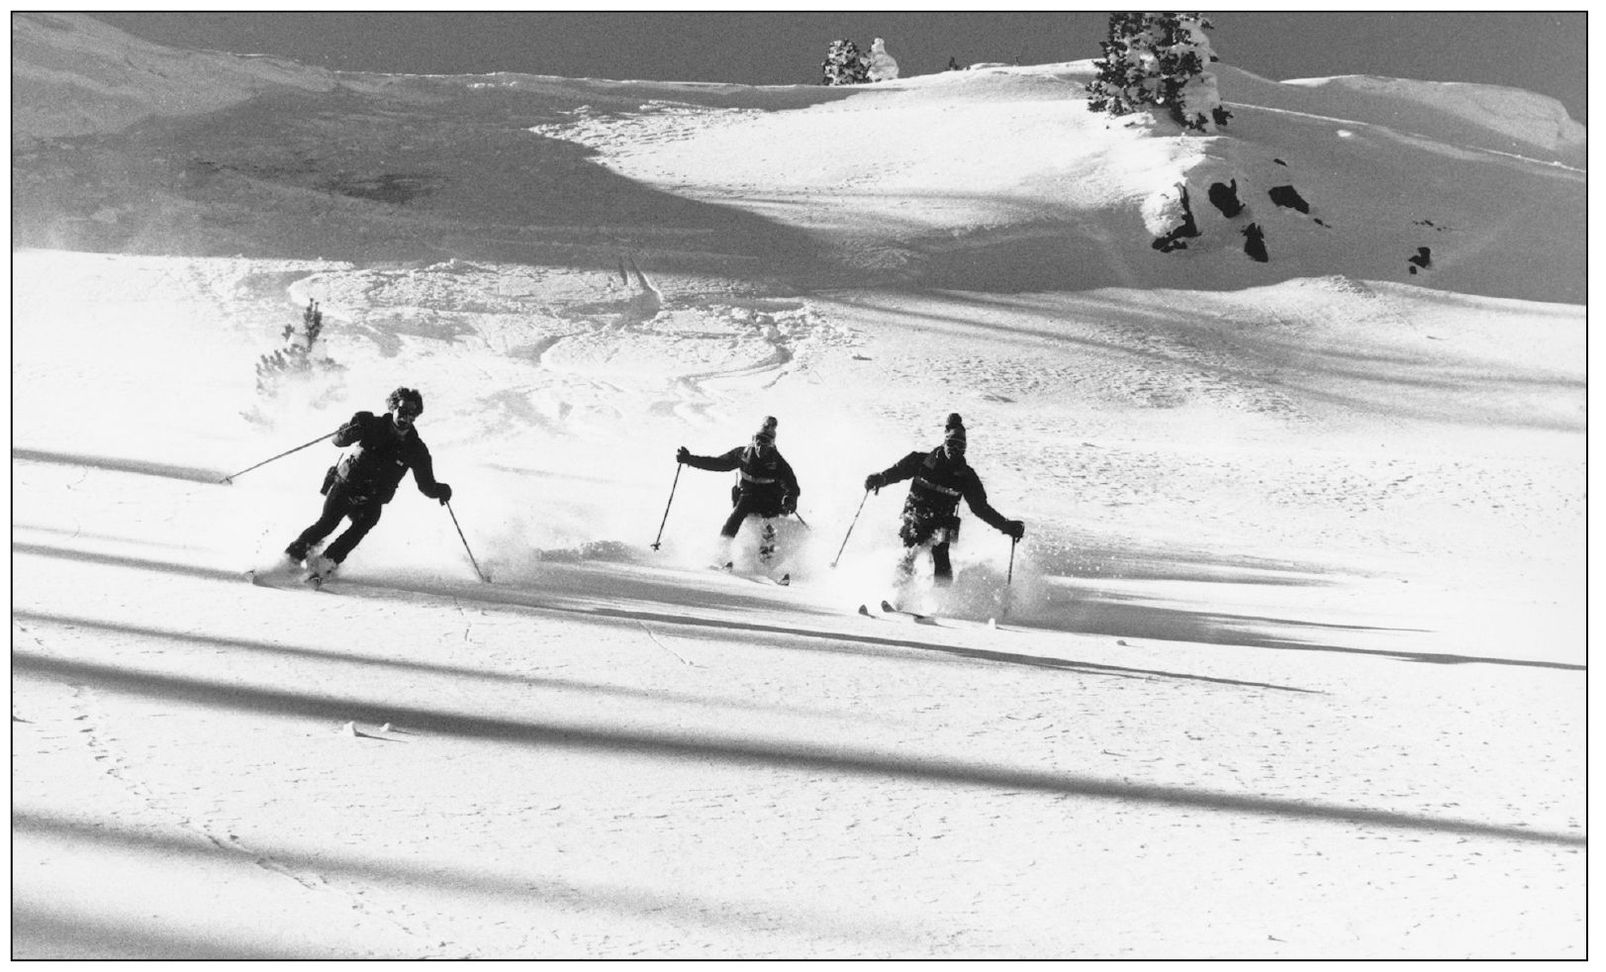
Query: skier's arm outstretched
[904,468]
[976,498]
[720,463]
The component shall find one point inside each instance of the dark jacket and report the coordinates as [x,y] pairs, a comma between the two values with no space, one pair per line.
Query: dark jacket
[939,482]
[378,455]
[765,475]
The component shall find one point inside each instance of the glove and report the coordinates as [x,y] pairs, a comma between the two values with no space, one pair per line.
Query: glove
[347,433]
[788,505]
[443,493]
[682,454]
[874,481]
[1014,528]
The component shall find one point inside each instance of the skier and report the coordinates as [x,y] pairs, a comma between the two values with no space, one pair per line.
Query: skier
[358,486]
[767,487]
[930,514]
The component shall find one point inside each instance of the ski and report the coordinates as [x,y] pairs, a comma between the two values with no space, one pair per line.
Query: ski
[269,576]
[785,580]
[887,607]
[889,612]
[285,575]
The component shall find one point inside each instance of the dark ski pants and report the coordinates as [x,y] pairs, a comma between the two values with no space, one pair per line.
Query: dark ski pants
[338,505]
[922,527]
[746,506]
[942,570]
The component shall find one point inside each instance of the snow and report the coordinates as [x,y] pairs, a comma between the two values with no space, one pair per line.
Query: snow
[883,66]
[1290,664]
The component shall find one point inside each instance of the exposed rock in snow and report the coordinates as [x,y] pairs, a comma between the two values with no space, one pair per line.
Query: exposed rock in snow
[1224,196]
[1289,198]
[1169,217]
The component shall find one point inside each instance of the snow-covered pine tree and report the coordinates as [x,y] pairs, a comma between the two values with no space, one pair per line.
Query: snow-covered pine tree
[845,64]
[295,360]
[880,66]
[1159,60]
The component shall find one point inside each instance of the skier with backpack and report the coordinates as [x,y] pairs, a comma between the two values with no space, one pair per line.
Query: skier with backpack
[767,487]
[380,451]
[931,511]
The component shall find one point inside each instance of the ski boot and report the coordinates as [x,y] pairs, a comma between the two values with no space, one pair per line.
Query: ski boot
[320,569]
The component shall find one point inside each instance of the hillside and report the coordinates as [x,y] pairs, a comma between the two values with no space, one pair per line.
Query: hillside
[1290,664]
[561,170]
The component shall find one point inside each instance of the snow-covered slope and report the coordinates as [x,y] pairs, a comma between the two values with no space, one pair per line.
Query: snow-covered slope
[72,75]
[1290,663]
[1346,176]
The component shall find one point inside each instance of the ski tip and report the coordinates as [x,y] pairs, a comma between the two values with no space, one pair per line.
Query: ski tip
[887,606]
[785,580]
[864,609]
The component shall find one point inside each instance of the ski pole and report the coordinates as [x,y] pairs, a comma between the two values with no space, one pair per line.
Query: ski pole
[801,520]
[477,572]
[850,528]
[230,479]
[1012,543]
[678,467]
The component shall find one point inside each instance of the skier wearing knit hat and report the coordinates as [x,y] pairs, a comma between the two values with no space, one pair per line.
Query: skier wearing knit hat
[931,512]
[767,487]
[379,452]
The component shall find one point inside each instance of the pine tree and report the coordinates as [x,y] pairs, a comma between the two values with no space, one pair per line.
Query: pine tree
[845,64]
[296,357]
[1159,60]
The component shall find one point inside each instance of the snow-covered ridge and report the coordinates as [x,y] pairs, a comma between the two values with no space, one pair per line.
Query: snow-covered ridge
[74,75]
[1526,117]
[990,179]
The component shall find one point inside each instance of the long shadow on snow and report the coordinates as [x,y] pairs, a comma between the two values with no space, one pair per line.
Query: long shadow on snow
[187,473]
[1120,615]
[63,934]
[1247,357]
[741,751]
[566,891]
[390,661]
[742,632]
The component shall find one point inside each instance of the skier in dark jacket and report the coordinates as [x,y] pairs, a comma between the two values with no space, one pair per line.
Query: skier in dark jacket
[767,487]
[380,450]
[931,513]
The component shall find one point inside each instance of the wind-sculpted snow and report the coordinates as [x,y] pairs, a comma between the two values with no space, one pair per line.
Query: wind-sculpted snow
[1509,117]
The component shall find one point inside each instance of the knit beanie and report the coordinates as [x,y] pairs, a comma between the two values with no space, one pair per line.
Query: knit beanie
[954,431]
[766,432]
